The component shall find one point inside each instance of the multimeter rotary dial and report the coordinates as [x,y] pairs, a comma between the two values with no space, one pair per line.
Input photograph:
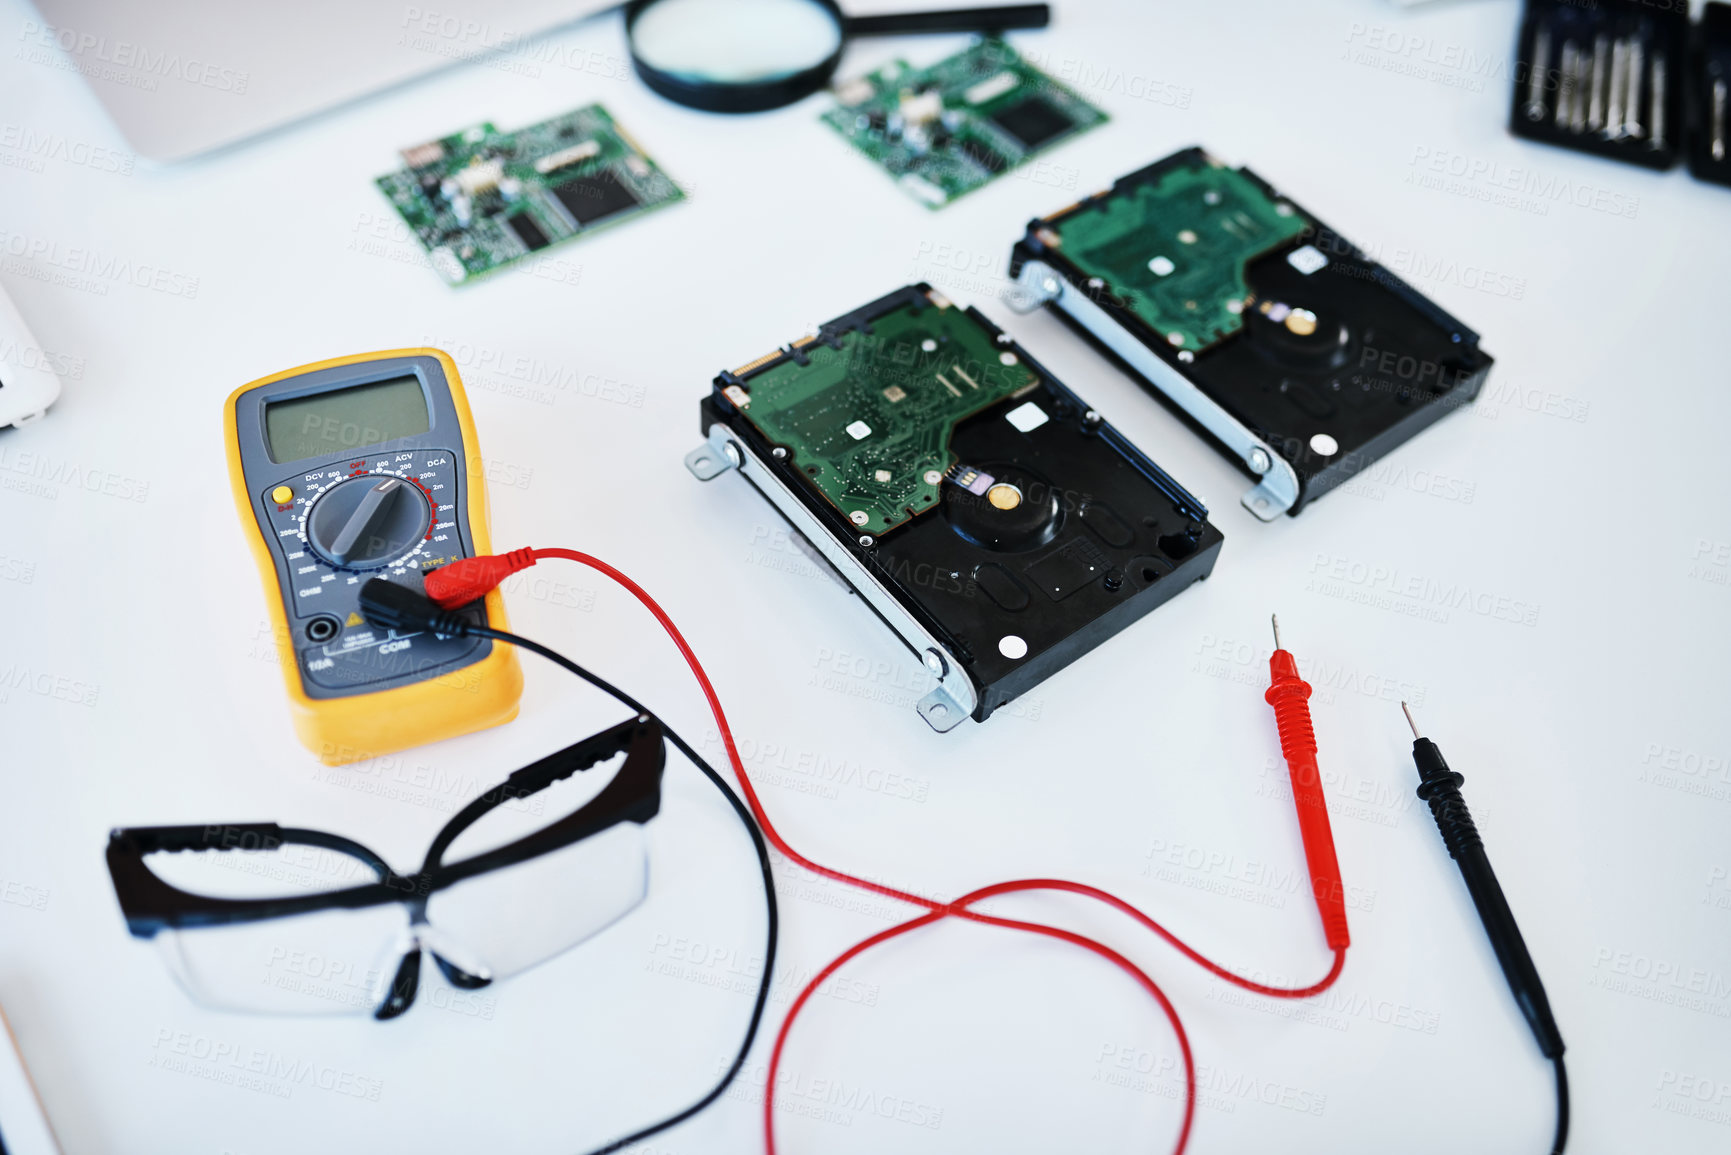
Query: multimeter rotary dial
[368,522]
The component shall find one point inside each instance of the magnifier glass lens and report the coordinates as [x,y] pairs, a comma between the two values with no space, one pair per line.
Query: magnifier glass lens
[734,41]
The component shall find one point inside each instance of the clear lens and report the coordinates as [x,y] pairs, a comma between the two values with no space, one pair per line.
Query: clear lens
[329,962]
[734,41]
[508,920]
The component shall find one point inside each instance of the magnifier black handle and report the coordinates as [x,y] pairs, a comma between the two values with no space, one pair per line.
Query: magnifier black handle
[998,19]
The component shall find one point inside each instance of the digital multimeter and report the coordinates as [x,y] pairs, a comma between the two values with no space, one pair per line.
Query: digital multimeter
[352,469]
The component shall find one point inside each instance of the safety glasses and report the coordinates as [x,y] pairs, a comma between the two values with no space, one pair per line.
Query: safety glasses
[278,920]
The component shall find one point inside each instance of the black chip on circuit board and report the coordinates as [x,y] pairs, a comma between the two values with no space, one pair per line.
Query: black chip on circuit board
[1033,122]
[528,232]
[594,197]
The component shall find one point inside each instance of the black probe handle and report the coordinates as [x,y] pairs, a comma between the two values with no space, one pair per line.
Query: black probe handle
[1511,949]
[1440,788]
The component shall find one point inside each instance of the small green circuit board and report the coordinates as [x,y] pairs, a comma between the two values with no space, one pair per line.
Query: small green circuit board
[482,199]
[946,130]
[869,419]
[1175,248]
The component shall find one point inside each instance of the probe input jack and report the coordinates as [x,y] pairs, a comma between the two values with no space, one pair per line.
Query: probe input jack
[322,629]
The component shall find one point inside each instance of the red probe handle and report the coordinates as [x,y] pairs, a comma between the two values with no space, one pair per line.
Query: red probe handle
[1289,694]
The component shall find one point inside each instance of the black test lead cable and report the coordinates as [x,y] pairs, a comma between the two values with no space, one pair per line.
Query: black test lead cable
[1440,787]
[757,842]
[393,606]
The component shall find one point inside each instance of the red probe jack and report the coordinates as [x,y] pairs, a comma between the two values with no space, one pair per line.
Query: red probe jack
[1289,694]
[469,578]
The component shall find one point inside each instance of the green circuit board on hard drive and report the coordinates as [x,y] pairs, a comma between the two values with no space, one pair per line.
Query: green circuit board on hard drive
[482,199]
[946,130]
[1174,248]
[869,419]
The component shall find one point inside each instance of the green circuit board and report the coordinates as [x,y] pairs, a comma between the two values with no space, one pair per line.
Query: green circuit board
[1175,248]
[945,130]
[482,199]
[869,420]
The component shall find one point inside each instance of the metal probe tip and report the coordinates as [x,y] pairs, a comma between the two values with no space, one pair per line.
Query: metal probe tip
[1416,735]
[1275,618]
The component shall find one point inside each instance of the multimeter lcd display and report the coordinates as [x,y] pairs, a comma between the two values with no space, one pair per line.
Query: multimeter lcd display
[345,419]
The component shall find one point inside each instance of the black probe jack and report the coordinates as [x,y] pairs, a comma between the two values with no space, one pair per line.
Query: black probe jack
[1440,788]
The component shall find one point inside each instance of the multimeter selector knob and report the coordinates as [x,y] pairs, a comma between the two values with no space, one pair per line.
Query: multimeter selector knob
[367,522]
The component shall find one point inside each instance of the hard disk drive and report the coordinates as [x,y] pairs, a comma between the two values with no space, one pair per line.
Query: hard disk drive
[982,510]
[1301,357]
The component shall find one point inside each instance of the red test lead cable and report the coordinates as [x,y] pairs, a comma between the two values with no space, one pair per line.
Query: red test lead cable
[467,579]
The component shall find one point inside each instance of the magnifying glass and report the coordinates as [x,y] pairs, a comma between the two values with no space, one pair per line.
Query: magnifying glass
[752,55]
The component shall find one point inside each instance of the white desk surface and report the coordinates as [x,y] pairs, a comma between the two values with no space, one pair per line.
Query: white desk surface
[1581,497]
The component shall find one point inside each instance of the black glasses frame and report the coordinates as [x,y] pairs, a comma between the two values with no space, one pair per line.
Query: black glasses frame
[151,904]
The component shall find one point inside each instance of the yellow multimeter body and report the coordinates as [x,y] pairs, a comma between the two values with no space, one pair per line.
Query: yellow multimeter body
[357,468]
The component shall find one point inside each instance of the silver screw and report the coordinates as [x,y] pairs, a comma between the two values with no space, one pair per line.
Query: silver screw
[865,540]
[779,452]
[1259,462]
[859,517]
[935,662]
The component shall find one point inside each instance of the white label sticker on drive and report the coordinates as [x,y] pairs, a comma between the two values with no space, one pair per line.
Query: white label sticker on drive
[1027,417]
[1306,260]
[858,430]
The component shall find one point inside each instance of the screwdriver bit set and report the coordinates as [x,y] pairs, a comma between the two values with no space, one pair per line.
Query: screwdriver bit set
[1605,78]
